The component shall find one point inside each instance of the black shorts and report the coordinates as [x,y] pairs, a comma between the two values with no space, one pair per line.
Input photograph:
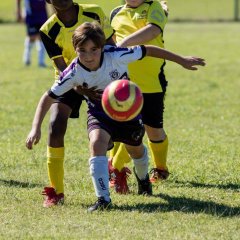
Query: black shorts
[153,108]
[73,100]
[130,132]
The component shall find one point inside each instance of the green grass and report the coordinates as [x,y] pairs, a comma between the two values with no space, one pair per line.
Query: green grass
[201,10]
[201,198]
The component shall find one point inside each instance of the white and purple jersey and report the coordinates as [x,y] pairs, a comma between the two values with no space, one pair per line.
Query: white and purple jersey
[113,66]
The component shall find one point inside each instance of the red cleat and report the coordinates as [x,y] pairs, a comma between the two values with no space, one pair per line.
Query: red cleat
[118,179]
[51,197]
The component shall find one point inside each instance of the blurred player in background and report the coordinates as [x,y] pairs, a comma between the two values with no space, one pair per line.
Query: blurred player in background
[34,14]
[56,35]
[143,22]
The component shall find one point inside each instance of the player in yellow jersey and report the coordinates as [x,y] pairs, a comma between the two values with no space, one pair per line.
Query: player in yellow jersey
[56,34]
[143,22]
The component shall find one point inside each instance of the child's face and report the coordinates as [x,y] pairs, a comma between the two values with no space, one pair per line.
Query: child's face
[134,3]
[89,55]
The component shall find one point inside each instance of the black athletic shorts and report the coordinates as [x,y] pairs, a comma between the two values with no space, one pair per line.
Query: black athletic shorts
[73,100]
[153,108]
[130,132]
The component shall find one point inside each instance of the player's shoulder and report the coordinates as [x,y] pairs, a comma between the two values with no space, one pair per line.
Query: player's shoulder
[115,11]
[70,71]
[51,21]
[91,8]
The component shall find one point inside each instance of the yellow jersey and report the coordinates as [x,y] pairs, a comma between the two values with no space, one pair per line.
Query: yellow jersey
[146,73]
[57,38]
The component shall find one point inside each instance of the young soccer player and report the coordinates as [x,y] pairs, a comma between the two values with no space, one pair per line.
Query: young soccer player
[97,66]
[143,22]
[56,34]
[35,14]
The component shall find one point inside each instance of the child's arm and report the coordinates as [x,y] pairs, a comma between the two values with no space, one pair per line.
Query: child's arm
[42,108]
[186,62]
[141,36]
[18,12]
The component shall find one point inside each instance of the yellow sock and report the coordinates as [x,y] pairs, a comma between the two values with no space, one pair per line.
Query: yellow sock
[120,158]
[114,150]
[55,157]
[159,153]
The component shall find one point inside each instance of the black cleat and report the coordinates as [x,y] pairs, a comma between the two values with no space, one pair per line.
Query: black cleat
[144,186]
[100,204]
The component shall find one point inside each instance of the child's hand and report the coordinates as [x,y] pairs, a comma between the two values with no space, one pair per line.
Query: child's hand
[191,62]
[33,138]
[92,93]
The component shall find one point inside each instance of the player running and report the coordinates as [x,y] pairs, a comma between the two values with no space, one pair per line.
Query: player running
[97,66]
[56,35]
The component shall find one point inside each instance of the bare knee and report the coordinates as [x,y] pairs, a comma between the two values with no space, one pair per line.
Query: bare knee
[135,151]
[58,126]
[155,134]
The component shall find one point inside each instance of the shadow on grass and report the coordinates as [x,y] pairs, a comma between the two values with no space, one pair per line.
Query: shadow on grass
[17,184]
[229,186]
[184,205]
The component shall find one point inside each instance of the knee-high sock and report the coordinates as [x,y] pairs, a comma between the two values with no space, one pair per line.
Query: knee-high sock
[41,52]
[141,165]
[27,50]
[159,153]
[100,177]
[55,159]
[114,150]
[120,158]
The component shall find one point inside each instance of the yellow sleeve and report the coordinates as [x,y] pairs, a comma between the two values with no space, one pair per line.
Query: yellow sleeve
[156,15]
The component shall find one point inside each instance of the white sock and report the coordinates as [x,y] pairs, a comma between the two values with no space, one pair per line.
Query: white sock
[141,165]
[41,52]
[27,51]
[100,176]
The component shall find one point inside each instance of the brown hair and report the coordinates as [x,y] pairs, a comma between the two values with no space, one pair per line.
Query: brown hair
[88,31]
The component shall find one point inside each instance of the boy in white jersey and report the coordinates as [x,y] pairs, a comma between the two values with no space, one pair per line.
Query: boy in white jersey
[97,66]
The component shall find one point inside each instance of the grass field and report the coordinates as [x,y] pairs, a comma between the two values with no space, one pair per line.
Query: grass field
[201,199]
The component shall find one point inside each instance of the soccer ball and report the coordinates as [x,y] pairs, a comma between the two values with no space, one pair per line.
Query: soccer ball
[122,100]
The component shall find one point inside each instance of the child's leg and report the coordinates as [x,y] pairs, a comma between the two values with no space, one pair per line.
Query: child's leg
[120,158]
[158,145]
[140,158]
[98,162]
[41,53]
[28,44]
[99,172]
[114,150]
[55,157]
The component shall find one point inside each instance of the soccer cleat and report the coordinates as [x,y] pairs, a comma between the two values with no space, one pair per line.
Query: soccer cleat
[158,174]
[144,186]
[100,204]
[118,179]
[51,197]
[27,63]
